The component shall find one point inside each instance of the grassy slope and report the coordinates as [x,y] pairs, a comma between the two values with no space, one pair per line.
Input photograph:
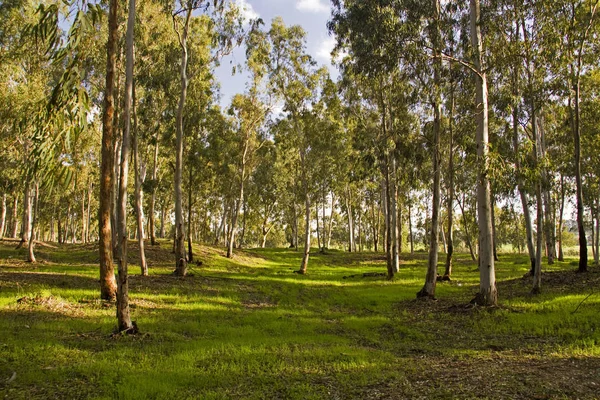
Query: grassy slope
[251,328]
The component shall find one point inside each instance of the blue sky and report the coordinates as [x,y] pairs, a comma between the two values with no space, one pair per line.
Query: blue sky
[312,15]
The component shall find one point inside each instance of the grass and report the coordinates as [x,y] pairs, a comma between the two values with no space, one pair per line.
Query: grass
[251,328]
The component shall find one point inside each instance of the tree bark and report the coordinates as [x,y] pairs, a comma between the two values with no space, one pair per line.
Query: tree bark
[236,213]
[3,216]
[330,227]
[140,173]
[350,221]
[488,294]
[450,202]
[15,220]
[26,218]
[576,128]
[306,253]
[123,313]
[31,238]
[428,289]
[108,285]
[151,228]
[190,205]
[180,257]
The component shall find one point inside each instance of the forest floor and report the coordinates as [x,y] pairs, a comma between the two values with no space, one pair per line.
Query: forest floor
[251,328]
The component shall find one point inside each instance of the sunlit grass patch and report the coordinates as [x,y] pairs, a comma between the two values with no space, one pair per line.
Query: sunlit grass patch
[250,327]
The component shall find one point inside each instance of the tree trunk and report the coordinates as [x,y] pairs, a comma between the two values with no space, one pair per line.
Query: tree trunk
[140,174]
[83,217]
[31,238]
[561,256]
[245,214]
[15,220]
[180,257]
[108,285]
[306,254]
[3,216]
[537,272]
[26,219]
[493,209]
[329,229]
[350,221]
[190,204]
[428,289]
[89,212]
[318,227]
[576,128]
[123,314]
[450,203]
[410,229]
[163,211]
[520,184]
[593,236]
[237,210]
[488,294]
[151,228]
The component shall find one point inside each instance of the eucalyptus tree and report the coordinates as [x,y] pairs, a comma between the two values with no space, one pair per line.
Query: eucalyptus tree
[488,294]
[249,112]
[226,31]
[569,27]
[295,80]
[108,284]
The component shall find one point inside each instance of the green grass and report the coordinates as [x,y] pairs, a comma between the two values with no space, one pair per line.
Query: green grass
[251,328]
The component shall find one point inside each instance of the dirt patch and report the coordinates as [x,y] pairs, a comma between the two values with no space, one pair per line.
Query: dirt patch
[50,303]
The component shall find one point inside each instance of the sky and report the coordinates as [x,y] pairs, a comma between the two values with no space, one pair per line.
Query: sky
[312,15]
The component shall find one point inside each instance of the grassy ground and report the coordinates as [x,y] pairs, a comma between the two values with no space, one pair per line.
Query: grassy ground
[251,328]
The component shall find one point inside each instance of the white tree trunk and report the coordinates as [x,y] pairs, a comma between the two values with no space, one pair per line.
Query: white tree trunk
[488,294]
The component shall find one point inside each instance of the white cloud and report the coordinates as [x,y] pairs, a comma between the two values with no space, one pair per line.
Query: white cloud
[315,6]
[325,48]
[247,10]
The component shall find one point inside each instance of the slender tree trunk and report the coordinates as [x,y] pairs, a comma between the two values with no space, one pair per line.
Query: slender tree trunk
[394,213]
[537,272]
[520,184]
[237,209]
[350,221]
[83,217]
[140,173]
[295,228]
[450,201]
[410,229]
[108,285]
[245,214]
[3,216]
[597,239]
[123,314]
[488,294]
[31,239]
[15,220]
[151,228]
[561,256]
[593,236]
[306,254]
[26,220]
[493,209]
[180,257]
[89,212]
[163,211]
[190,204]
[330,228]
[388,220]
[360,246]
[428,289]
[318,226]
[576,128]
